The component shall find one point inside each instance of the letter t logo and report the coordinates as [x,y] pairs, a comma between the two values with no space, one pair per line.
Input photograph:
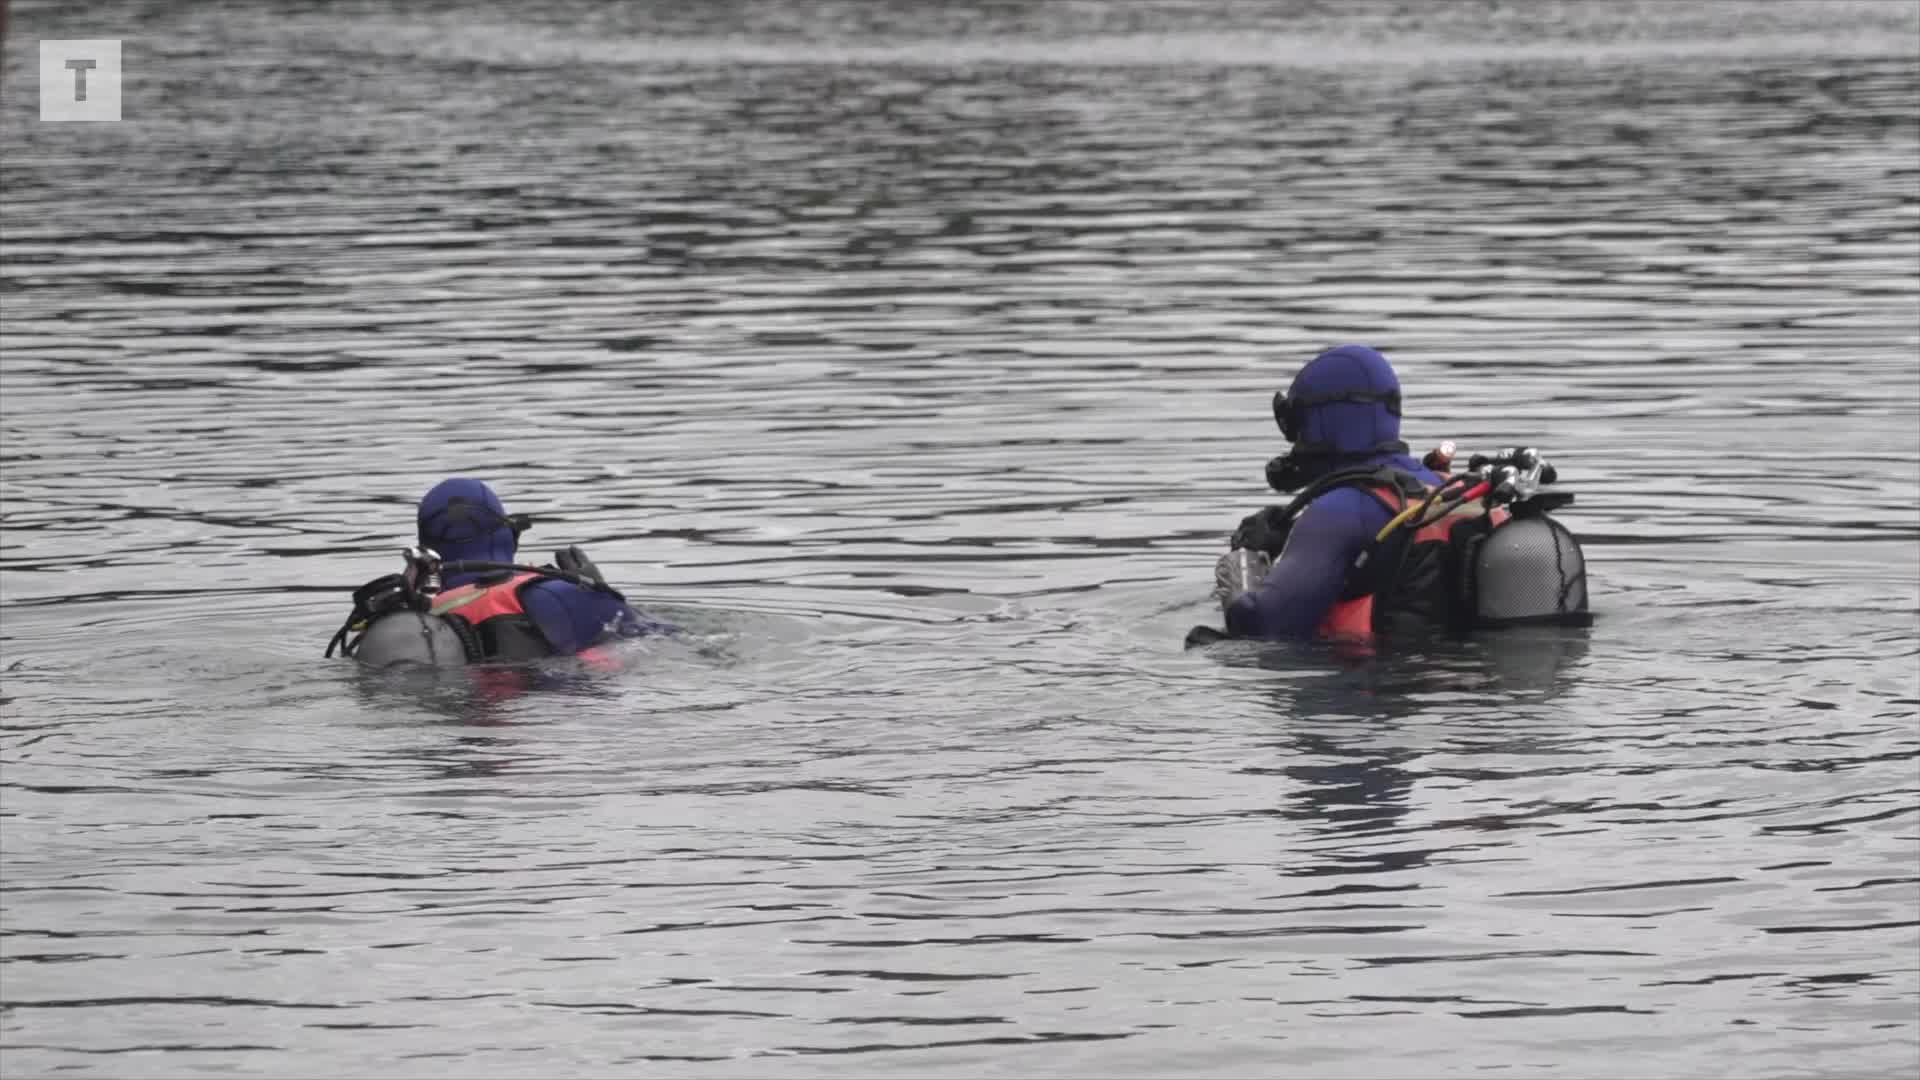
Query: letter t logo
[80,79]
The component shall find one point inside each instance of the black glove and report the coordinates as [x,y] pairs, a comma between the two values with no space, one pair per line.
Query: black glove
[1264,530]
[572,560]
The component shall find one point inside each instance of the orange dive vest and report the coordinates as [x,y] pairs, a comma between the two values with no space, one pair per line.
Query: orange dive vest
[1354,616]
[494,611]
[479,601]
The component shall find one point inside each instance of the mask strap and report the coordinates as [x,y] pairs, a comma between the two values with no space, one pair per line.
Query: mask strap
[469,510]
[1290,412]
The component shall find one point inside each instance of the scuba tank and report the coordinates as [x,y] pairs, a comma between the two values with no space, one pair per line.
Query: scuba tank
[1529,569]
[410,637]
[394,621]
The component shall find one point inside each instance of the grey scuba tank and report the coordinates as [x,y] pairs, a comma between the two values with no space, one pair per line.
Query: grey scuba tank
[410,637]
[1528,570]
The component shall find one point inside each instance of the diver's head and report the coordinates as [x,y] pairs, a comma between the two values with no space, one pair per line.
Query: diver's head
[413,638]
[463,520]
[1346,401]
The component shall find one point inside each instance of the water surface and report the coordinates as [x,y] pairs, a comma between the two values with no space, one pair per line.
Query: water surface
[917,357]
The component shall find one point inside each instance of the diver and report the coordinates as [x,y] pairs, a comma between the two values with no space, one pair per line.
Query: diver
[463,599]
[1375,538]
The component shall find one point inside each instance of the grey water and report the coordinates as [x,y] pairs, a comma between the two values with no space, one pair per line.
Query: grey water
[917,358]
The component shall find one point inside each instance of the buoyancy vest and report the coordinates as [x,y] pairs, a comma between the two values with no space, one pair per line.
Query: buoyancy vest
[492,608]
[1417,573]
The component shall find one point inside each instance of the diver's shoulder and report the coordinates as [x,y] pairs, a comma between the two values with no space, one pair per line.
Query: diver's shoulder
[1353,503]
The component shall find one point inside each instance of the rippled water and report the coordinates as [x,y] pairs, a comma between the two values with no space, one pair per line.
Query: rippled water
[918,356]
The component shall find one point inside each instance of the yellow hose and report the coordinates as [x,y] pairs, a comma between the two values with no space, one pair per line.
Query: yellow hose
[1398,519]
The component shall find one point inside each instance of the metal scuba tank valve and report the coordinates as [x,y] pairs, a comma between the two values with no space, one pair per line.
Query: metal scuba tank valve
[1505,481]
[422,574]
[1533,468]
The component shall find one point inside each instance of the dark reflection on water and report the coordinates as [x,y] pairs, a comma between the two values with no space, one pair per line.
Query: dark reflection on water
[917,356]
